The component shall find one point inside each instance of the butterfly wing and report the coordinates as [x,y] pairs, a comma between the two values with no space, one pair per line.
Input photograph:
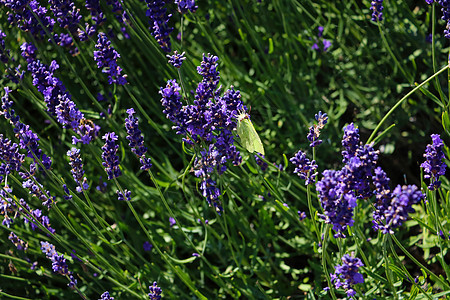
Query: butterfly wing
[256,141]
[244,129]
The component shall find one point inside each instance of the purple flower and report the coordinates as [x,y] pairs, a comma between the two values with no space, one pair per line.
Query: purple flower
[434,166]
[262,164]
[20,244]
[377,8]
[402,199]
[28,140]
[29,16]
[208,124]
[159,23]
[36,189]
[336,200]
[155,292]
[314,131]
[195,254]
[346,275]
[10,158]
[304,168]
[350,142]
[4,53]
[106,57]
[326,45]
[59,264]
[136,139]
[66,13]
[171,101]
[124,196]
[110,159]
[96,12]
[176,59]
[185,5]
[87,33]
[58,100]
[77,169]
[106,296]
[429,1]
[172,221]
[147,246]
[301,215]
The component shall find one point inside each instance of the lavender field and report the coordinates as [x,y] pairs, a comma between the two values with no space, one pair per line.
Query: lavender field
[239,149]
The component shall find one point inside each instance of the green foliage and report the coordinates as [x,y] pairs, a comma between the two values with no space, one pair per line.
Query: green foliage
[381,76]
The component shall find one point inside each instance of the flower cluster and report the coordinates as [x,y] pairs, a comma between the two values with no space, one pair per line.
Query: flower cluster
[176,59]
[36,189]
[336,200]
[10,158]
[59,264]
[110,159]
[304,168]
[209,121]
[4,53]
[106,296]
[339,190]
[20,244]
[262,164]
[360,161]
[326,44]
[34,216]
[29,16]
[124,196]
[377,8]
[346,275]
[106,57]
[77,169]
[433,165]
[159,23]
[66,13]
[314,131]
[301,215]
[96,12]
[58,100]
[9,210]
[186,5]
[28,140]
[155,292]
[136,139]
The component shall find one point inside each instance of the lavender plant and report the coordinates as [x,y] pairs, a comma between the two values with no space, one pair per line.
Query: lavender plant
[361,213]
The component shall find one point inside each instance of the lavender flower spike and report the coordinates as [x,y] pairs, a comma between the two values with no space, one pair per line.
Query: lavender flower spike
[186,5]
[304,168]
[106,57]
[77,169]
[136,139]
[59,264]
[176,59]
[377,8]
[106,296]
[433,166]
[314,131]
[346,275]
[155,292]
[159,23]
[110,159]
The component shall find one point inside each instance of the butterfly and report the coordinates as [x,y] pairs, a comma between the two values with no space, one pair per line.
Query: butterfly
[249,137]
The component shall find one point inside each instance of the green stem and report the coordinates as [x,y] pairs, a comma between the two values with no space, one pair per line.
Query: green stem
[372,136]
[432,275]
